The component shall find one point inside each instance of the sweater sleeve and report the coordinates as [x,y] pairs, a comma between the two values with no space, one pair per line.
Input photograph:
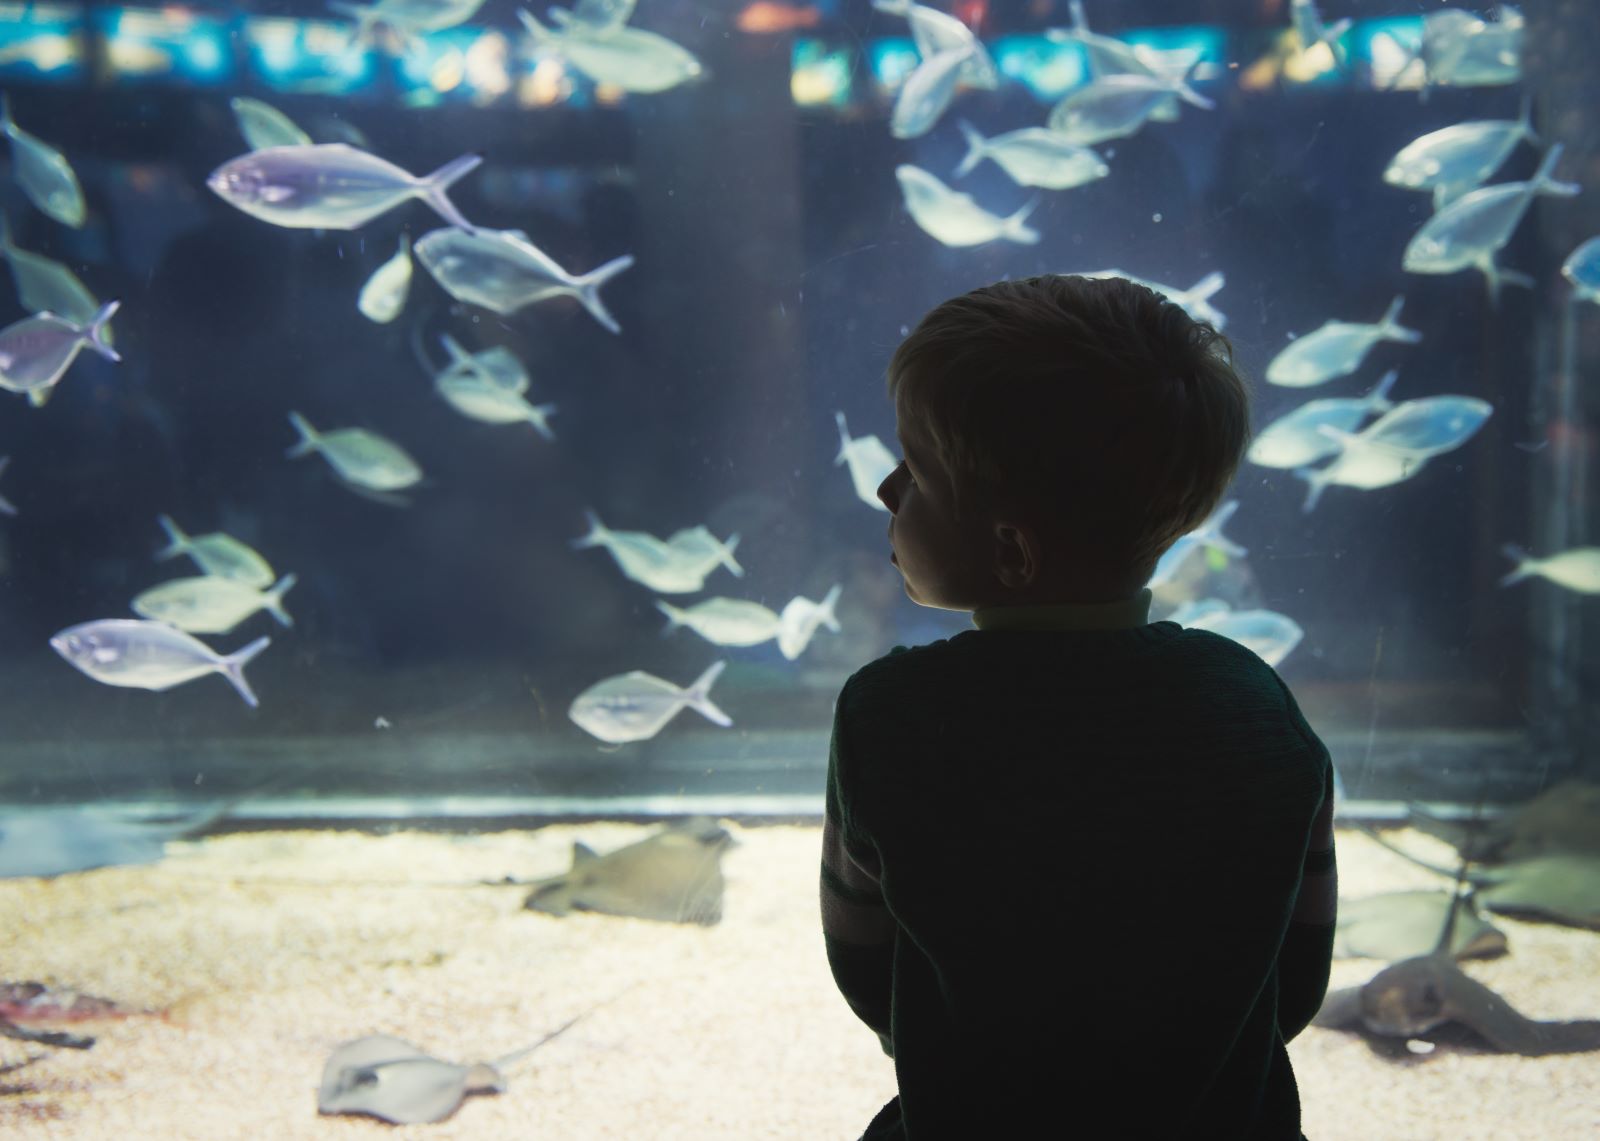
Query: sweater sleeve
[856,925]
[1307,953]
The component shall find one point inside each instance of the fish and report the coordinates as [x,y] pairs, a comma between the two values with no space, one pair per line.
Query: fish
[673,876]
[1456,159]
[36,351]
[206,604]
[361,458]
[1208,534]
[1582,269]
[217,554]
[765,17]
[390,1079]
[1312,31]
[406,19]
[631,59]
[492,403]
[45,285]
[498,365]
[1107,55]
[1293,440]
[332,186]
[1457,49]
[43,172]
[869,461]
[140,654]
[800,619]
[33,1001]
[1358,464]
[1404,924]
[1576,569]
[1473,228]
[597,17]
[1115,106]
[6,506]
[54,840]
[1033,156]
[1266,633]
[635,706]
[934,31]
[648,560]
[1195,301]
[503,271]
[953,217]
[1564,819]
[1430,426]
[1418,996]
[1336,349]
[698,548]
[925,94]
[384,294]
[264,126]
[724,621]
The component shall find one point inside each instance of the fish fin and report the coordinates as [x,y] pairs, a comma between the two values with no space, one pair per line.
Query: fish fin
[1495,275]
[589,290]
[538,31]
[975,148]
[1181,88]
[309,439]
[1016,226]
[1544,180]
[1524,567]
[1314,487]
[726,558]
[232,668]
[825,612]
[552,898]
[97,331]
[177,541]
[698,695]
[537,419]
[1208,285]
[7,123]
[432,189]
[1391,327]
[6,244]
[1525,120]
[597,536]
[273,599]
[675,616]
[38,396]
[582,853]
[1378,399]
[893,7]
[844,438]
[1080,21]
[458,355]
[6,506]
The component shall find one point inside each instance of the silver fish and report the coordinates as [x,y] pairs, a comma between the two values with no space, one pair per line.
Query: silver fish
[673,876]
[1430,426]
[800,619]
[45,285]
[648,560]
[1293,440]
[492,403]
[629,58]
[407,19]
[361,458]
[384,295]
[1336,349]
[217,554]
[37,351]
[1582,268]
[1266,633]
[1473,228]
[1576,569]
[1033,156]
[1115,106]
[139,654]
[206,604]
[934,31]
[1312,31]
[869,461]
[953,217]
[724,621]
[1359,464]
[43,172]
[498,365]
[1195,301]
[698,548]
[1456,159]
[331,186]
[926,93]
[6,506]
[598,17]
[1107,55]
[635,706]
[264,126]
[503,271]
[1208,534]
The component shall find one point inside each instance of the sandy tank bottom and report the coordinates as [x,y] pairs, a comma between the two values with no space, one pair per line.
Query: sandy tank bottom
[266,950]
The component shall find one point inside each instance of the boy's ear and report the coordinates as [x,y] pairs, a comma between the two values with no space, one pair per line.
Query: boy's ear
[1017,554]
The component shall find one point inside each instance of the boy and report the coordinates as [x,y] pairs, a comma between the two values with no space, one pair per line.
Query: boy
[1077,867]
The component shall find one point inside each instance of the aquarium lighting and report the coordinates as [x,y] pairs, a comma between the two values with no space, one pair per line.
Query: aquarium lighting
[41,42]
[173,43]
[820,76]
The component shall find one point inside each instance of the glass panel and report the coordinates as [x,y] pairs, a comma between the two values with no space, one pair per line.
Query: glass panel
[439,513]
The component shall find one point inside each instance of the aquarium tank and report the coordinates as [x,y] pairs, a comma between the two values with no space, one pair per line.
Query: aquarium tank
[438,511]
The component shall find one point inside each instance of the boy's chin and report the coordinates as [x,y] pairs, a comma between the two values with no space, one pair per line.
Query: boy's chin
[934,603]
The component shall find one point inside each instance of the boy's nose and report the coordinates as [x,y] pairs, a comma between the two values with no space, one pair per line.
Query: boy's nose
[889,491]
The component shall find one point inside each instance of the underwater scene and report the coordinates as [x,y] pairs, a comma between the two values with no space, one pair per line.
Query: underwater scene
[438,468]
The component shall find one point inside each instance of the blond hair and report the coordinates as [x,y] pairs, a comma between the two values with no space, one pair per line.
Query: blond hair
[1095,406]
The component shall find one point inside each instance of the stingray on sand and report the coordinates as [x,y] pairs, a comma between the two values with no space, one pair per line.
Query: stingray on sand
[1564,819]
[1404,924]
[674,875]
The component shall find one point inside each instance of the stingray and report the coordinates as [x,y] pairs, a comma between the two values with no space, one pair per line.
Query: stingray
[389,1078]
[1404,924]
[1428,993]
[674,875]
[55,839]
[1564,819]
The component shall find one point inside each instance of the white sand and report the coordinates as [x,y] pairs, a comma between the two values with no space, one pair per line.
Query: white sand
[269,949]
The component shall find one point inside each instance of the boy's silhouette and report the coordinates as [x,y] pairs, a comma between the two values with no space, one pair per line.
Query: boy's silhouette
[1078,867]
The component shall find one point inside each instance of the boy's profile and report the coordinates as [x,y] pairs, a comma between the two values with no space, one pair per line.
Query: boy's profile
[1078,867]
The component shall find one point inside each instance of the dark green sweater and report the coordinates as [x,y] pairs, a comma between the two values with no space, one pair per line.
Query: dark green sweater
[1060,879]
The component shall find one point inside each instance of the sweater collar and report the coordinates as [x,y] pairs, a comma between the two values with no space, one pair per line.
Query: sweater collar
[1123,614]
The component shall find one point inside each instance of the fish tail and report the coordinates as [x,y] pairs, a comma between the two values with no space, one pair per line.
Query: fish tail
[1080,21]
[177,541]
[1544,180]
[453,347]
[1495,275]
[273,599]
[97,331]
[540,413]
[589,290]
[1525,120]
[844,439]
[893,7]
[825,612]
[725,555]
[1016,226]
[1313,489]
[309,440]
[675,616]
[1181,88]
[7,123]
[432,189]
[1525,564]
[1392,329]
[232,668]
[1378,399]
[698,695]
[1203,289]
[975,148]
[597,536]
[538,31]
